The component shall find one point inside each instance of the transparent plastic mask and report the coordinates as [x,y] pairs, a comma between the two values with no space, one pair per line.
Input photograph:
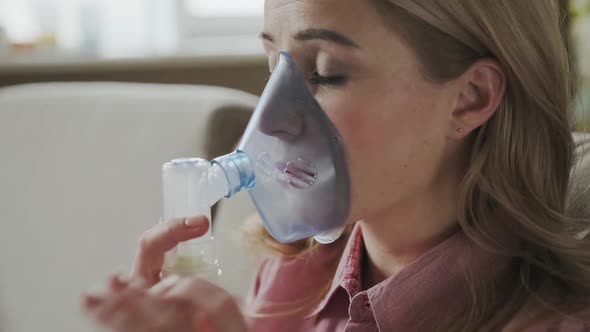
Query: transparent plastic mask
[302,183]
[292,161]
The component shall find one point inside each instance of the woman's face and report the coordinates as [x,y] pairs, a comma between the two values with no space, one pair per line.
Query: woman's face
[394,122]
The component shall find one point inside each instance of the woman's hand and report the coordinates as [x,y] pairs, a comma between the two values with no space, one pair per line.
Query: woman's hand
[173,305]
[160,239]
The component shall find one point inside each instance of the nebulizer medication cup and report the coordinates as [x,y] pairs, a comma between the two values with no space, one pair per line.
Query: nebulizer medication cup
[292,162]
[188,192]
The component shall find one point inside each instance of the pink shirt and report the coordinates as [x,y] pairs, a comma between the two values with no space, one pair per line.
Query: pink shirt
[416,299]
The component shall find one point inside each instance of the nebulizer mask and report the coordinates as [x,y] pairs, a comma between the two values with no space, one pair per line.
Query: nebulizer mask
[291,160]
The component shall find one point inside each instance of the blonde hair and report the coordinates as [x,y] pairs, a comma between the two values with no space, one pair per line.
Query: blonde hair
[518,176]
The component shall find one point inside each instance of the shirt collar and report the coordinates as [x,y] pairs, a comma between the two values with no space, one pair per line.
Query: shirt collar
[423,291]
[348,271]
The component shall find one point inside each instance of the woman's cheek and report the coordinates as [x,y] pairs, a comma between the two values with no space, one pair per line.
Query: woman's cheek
[354,126]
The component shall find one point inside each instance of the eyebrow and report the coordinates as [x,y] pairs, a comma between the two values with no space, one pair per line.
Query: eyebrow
[317,34]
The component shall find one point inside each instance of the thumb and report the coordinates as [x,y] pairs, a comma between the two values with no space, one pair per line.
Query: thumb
[168,234]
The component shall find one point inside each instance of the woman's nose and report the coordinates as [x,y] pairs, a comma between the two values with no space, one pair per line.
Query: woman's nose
[285,101]
[281,119]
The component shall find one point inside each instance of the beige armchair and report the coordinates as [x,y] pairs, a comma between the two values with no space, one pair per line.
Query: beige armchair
[80,180]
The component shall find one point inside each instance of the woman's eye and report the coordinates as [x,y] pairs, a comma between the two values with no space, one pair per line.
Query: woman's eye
[335,80]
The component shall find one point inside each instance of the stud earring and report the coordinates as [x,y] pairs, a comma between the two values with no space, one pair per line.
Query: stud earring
[460,130]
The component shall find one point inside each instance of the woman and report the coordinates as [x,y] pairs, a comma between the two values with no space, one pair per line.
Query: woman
[456,117]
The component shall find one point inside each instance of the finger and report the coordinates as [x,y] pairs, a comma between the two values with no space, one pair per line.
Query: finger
[162,238]
[114,303]
[90,301]
[148,313]
[137,284]
[165,236]
[130,317]
[105,312]
[176,315]
[195,288]
[117,284]
[164,286]
[93,297]
[213,302]
[202,323]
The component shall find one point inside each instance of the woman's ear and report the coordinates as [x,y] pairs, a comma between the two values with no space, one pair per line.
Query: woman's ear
[481,90]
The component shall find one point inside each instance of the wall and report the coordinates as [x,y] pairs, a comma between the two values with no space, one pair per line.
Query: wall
[247,73]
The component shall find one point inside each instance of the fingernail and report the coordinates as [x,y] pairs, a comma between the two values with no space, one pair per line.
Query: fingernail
[118,283]
[195,221]
[91,300]
[164,285]
[170,279]
[137,283]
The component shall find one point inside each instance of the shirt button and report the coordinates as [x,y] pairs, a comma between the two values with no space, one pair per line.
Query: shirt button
[360,309]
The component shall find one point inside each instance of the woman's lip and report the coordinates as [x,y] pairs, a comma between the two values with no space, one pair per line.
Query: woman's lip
[300,173]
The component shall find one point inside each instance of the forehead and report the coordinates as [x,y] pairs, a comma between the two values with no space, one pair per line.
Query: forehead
[355,18]
[382,48]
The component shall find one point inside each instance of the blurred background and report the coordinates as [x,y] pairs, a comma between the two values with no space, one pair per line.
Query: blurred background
[158,41]
[579,33]
[163,41]
[81,151]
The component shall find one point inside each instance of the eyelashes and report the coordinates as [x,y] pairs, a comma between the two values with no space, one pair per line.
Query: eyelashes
[331,80]
[321,80]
